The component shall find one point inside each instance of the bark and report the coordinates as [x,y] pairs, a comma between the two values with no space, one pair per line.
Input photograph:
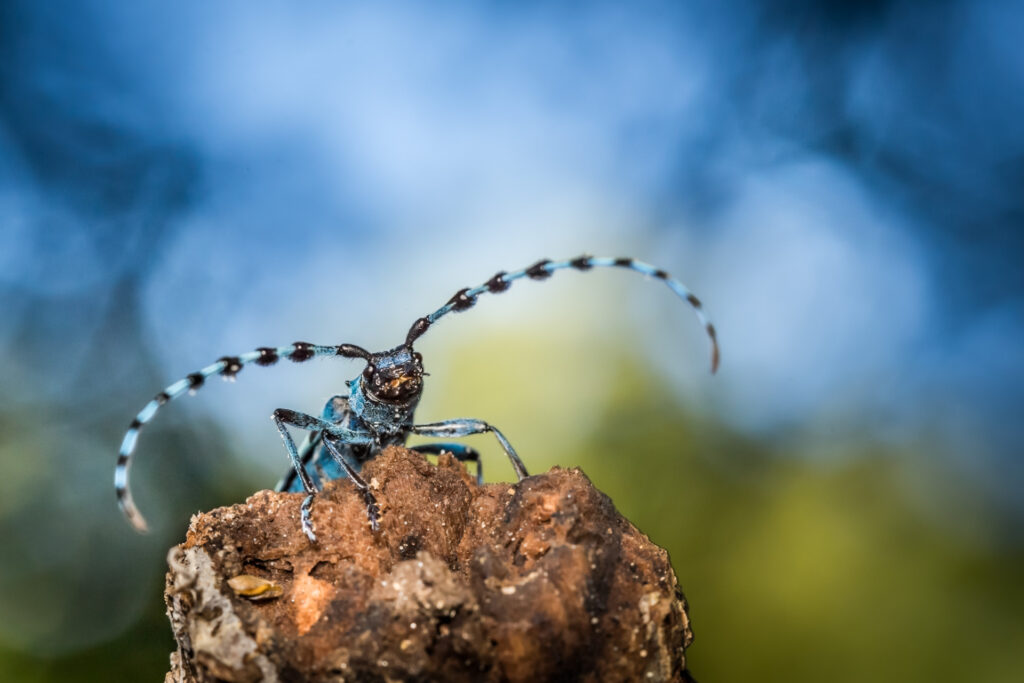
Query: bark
[537,581]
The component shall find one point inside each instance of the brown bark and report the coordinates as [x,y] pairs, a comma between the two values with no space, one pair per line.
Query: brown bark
[537,581]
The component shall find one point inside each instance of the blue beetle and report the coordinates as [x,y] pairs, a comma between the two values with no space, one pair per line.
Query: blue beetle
[379,409]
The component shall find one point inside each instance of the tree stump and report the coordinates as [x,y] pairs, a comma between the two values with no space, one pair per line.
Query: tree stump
[541,580]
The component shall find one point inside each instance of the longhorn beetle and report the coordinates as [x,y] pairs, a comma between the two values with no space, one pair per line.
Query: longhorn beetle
[378,411]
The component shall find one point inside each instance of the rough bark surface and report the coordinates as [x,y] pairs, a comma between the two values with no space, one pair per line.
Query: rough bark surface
[537,581]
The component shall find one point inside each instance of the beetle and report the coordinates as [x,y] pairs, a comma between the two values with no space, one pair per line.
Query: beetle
[379,409]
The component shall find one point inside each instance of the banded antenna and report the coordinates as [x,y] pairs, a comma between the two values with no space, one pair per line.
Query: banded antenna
[465,299]
[227,367]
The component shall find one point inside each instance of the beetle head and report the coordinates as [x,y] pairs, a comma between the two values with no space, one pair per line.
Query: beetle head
[394,376]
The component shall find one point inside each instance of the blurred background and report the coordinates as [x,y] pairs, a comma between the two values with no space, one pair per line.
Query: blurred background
[841,183]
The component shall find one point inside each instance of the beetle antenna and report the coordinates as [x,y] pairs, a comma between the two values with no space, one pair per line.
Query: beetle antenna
[465,298]
[227,367]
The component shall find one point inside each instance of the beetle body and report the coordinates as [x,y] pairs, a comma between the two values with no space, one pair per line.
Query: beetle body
[379,410]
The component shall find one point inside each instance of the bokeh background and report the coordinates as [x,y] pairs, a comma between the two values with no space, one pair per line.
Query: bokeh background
[842,183]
